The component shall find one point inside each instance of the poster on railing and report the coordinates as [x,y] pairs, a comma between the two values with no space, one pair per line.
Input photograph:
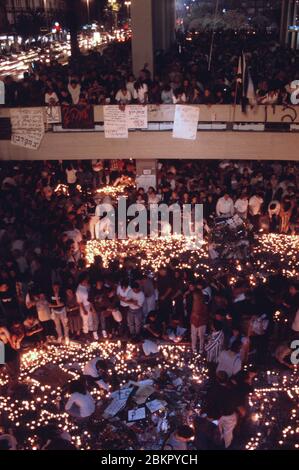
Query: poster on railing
[27,139]
[53,114]
[115,123]
[185,122]
[27,127]
[136,116]
[77,116]
[27,118]
[161,113]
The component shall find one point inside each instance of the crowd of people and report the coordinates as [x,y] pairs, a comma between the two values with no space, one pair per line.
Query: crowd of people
[182,75]
[48,294]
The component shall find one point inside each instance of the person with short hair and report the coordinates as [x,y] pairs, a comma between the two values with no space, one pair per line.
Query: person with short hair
[199,321]
[215,342]
[80,404]
[179,439]
[229,360]
[225,206]
[58,311]
[86,308]
[135,300]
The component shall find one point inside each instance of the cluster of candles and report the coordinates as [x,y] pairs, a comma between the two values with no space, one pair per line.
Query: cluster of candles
[42,402]
[151,254]
[271,251]
[274,406]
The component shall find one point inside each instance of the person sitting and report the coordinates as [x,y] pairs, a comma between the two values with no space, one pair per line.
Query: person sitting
[229,360]
[221,406]
[152,328]
[80,404]
[96,371]
[179,439]
[34,332]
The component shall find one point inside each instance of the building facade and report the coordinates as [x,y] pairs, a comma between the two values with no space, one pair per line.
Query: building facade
[14,8]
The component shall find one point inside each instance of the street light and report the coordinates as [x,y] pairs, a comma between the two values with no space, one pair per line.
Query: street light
[114,7]
[46,13]
[88,11]
[128,4]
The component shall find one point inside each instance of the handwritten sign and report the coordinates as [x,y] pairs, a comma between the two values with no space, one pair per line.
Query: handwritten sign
[27,139]
[77,117]
[185,122]
[136,116]
[115,123]
[53,114]
[27,127]
[161,113]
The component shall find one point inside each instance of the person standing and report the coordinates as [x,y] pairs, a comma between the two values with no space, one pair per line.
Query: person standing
[241,206]
[215,342]
[58,311]
[123,292]
[86,309]
[225,206]
[230,360]
[44,314]
[135,300]
[199,321]
[73,313]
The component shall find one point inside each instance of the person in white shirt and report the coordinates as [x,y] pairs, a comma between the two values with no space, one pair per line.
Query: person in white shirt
[71,175]
[241,206]
[74,89]
[225,206]
[96,371]
[123,292]
[140,92]
[44,313]
[123,96]
[87,312]
[230,361]
[130,84]
[152,196]
[76,236]
[90,368]
[80,404]
[51,98]
[179,97]
[135,300]
[255,204]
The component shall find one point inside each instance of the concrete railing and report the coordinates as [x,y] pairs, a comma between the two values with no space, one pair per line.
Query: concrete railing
[265,132]
[214,113]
